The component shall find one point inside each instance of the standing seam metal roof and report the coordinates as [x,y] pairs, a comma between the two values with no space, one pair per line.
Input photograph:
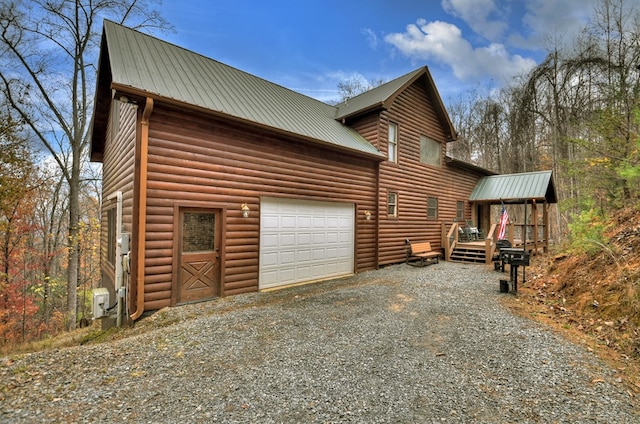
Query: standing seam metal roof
[515,187]
[377,96]
[141,62]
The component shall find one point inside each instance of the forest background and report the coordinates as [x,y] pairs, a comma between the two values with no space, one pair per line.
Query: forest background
[577,113]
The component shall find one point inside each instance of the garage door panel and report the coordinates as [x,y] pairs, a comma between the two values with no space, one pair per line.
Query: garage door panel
[303,241]
[288,275]
[304,272]
[319,254]
[287,240]
[270,259]
[332,237]
[270,240]
[270,221]
[269,278]
[304,222]
[304,255]
[288,221]
[345,237]
[288,257]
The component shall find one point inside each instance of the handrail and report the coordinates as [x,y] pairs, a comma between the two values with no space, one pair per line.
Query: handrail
[492,230]
[450,241]
[489,244]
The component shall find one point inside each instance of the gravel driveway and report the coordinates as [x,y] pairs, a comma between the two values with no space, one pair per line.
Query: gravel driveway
[397,345]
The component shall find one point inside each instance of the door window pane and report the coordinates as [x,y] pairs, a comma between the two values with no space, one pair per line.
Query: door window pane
[198,231]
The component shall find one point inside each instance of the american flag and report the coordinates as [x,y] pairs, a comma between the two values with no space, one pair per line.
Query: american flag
[504,217]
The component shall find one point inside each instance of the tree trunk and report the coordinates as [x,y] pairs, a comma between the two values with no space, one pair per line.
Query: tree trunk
[74,252]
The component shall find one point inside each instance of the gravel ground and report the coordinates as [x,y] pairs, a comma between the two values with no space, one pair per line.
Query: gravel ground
[398,345]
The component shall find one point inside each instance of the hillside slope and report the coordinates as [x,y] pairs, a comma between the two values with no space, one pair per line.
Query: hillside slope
[593,299]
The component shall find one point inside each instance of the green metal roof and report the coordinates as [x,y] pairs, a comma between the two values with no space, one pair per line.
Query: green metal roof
[384,95]
[511,188]
[378,96]
[144,64]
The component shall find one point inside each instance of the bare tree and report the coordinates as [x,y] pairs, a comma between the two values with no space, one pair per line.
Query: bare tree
[49,50]
[355,85]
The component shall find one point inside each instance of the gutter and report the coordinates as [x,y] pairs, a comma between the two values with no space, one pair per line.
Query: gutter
[142,213]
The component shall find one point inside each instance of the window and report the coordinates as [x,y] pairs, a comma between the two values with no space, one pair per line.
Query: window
[392,204]
[460,211]
[115,118]
[432,208]
[430,151]
[198,231]
[111,236]
[393,142]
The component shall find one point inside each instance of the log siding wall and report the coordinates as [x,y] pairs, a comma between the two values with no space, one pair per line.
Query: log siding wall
[194,159]
[118,175]
[412,180]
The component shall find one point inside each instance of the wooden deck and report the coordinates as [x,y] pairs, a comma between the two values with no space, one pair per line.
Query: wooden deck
[482,251]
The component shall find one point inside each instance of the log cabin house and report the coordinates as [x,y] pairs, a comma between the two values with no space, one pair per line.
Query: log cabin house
[224,183]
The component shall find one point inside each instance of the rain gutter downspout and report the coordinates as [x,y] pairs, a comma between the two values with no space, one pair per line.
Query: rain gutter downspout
[142,213]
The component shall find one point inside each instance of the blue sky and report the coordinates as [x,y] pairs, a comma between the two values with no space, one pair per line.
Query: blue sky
[311,45]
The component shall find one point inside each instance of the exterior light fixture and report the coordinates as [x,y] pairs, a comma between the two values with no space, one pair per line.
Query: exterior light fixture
[245,210]
[367,215]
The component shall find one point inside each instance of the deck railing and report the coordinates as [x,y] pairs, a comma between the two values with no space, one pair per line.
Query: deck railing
[450,240]
[490,243]
[536,238]
[529,237]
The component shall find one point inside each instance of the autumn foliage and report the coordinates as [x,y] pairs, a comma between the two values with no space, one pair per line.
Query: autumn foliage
[32,244]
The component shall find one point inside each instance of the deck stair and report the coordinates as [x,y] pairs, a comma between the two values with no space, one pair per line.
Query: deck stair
[469,253]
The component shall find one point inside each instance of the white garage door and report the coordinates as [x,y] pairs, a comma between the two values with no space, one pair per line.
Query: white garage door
[303,241]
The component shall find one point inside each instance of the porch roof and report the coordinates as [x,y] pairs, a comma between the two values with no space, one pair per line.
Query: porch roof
[515,188]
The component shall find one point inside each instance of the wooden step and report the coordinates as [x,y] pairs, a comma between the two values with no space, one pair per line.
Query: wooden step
[468,254]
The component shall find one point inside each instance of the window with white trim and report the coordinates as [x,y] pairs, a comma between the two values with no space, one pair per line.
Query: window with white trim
[432,207]
[393,142]
[392,204]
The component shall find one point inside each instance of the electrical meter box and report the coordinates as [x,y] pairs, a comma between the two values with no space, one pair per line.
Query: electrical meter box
[100,302]
[123,241]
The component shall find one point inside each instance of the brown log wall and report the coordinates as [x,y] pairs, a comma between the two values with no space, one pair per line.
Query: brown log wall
[412,180]
[118,175]
[195,159]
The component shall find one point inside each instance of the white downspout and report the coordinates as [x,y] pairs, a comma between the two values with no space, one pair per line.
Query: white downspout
[118,264]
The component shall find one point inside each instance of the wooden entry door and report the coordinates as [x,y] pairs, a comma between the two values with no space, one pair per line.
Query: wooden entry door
[199,253]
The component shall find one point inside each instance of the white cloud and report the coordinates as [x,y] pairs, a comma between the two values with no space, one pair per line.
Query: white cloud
[546,20]
[478,15]
[443,42]
[371,37]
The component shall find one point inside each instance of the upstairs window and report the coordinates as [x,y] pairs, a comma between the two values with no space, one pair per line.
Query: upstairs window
[432,207]
[459,211]
[393,142]
[392,204]
[430,151]
[115,118]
